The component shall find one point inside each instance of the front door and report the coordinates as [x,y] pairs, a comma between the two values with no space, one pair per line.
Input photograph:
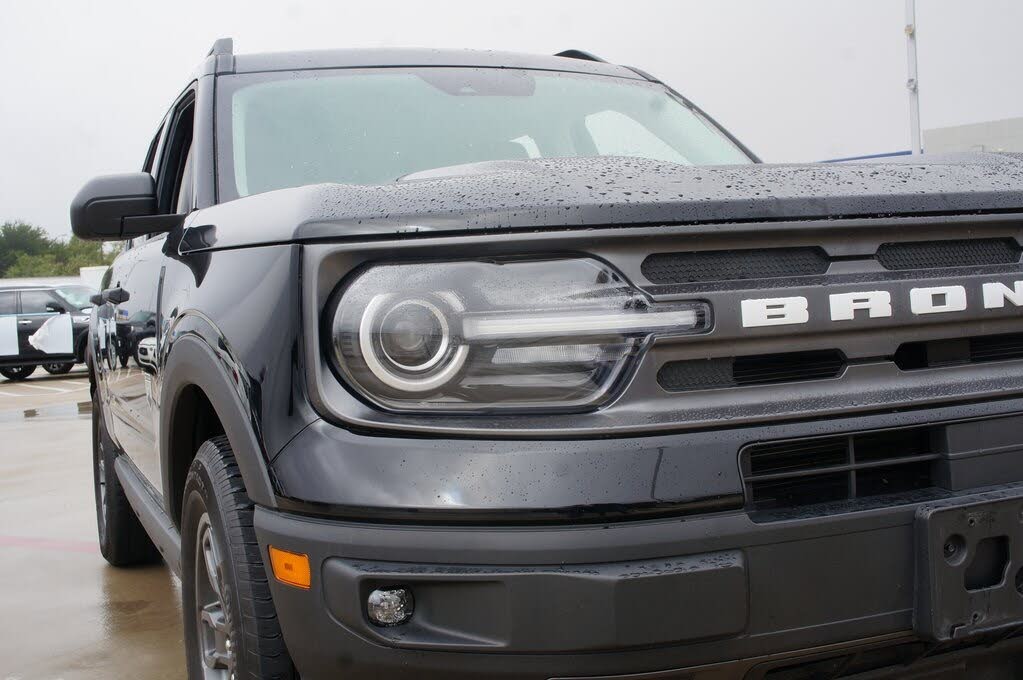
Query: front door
[44,327]
[134,389]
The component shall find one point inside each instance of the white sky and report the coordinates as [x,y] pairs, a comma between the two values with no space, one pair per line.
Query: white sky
[83,84]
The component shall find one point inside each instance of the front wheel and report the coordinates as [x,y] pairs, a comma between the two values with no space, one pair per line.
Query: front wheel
[17,373]
[59,369]
[231,626]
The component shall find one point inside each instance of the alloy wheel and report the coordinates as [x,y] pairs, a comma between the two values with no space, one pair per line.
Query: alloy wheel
[214,621]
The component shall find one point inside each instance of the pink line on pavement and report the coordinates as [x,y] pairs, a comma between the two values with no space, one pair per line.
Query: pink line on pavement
[90,547]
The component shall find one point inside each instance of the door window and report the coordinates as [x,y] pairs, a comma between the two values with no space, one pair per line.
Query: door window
[174,182]
[8,303]
[35,301]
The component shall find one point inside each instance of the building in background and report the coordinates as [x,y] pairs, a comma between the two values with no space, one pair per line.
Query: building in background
[993,135]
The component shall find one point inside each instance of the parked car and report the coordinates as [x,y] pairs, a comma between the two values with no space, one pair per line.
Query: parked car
[485,365]
[42,325]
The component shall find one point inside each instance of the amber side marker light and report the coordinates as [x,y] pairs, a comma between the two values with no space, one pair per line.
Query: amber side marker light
[291,568]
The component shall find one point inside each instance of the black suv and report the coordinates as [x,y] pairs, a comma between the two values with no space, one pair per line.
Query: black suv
[43,325]
[483,365]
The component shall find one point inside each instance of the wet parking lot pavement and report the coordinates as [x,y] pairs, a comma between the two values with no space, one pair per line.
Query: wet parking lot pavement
[67,614]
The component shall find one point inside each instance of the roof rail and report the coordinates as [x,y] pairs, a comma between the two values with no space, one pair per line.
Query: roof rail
[579,54]
[222,54]
[221,46]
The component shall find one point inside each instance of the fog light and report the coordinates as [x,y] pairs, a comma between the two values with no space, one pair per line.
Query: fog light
[390,607]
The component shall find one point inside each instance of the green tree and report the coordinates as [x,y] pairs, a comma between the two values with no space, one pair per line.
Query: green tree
[27,251]
[27,266]
[17,238]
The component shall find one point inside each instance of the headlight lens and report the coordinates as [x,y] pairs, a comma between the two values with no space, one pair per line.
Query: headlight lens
[514,334]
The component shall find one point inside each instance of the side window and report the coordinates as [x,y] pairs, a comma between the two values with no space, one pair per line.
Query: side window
[150,165]
[154,149]
[174,181]
[8,303]
[35,301]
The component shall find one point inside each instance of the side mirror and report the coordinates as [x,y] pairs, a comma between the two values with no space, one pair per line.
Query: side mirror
[118,207]
[96,299]
[55,307]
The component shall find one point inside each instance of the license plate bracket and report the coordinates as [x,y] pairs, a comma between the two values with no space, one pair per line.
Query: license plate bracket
[969,566]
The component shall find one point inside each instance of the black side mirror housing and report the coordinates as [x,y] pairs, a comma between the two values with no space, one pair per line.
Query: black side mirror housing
[96,299]
[55,307]
[118,207]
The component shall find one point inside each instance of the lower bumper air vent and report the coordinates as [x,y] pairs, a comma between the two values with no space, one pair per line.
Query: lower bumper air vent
[765,369]
[804,472]
[959,351]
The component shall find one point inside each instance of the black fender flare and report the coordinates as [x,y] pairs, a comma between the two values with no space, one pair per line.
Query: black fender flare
[192,362]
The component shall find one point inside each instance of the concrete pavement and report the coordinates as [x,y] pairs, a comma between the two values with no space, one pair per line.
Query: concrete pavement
[67,614]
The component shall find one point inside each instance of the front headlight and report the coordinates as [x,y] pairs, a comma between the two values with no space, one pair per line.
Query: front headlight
[510,334]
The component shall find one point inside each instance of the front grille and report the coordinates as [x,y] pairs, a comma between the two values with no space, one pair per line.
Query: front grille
[959,351]
[941,254]
[766,264]
[765,369]
[734,265]
[798,473]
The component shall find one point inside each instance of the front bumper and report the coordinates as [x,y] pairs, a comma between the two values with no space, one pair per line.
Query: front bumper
[717,596]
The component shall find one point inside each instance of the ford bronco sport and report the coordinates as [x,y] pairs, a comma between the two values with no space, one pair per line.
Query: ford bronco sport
[483,365]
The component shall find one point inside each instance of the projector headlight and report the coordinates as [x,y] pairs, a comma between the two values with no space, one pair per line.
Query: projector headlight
[509,335]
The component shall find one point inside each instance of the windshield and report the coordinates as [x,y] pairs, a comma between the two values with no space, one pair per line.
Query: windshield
[373,126]
[77,296]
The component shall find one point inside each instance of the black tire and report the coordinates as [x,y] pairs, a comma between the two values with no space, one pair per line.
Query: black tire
[241,610]
[17,373]
[123,541]
[58,369]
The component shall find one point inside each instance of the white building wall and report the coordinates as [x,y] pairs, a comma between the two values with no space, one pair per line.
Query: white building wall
[995,135]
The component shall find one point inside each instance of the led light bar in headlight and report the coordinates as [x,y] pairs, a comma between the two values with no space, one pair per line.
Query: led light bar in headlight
[516,334]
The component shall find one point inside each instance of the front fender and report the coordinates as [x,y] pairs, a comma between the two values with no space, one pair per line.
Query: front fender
[192,361]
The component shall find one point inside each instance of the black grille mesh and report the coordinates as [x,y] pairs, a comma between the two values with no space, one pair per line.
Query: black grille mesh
[939,254]
[733,265]
[781,263]
[705,374]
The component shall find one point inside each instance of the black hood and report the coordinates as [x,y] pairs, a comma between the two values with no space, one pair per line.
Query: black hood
[600,192]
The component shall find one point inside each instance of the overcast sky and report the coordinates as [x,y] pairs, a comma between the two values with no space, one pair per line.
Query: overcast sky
[85,83]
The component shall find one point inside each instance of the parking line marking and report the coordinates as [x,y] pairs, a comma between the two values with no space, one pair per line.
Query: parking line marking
[59,390]
[10,394]
[74,383]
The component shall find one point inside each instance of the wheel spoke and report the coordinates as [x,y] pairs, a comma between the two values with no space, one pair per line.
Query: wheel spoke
[209,551]
[214,624]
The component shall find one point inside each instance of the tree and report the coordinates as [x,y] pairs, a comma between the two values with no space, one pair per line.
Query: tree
[27,251]
[17,238]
